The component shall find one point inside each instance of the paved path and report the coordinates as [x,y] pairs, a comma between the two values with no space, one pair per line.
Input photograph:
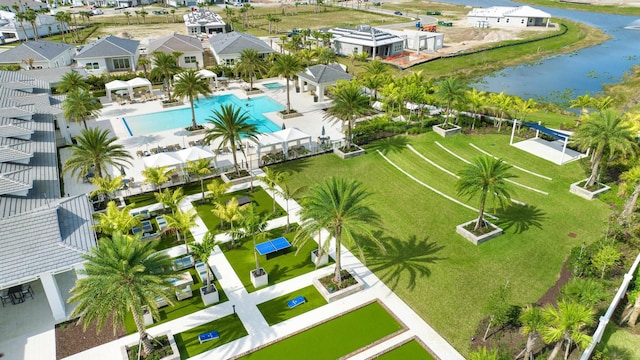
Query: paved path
[259,331]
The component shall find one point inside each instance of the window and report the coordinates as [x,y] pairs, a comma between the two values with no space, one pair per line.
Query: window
[92,66]
[121,64]
[498,20]
[397,47]
[507,20]
[190,60]
[522,21]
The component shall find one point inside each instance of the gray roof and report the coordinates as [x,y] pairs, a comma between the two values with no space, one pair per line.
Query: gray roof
[366,36]
[40,50]
[110,46]
[54,77]
[324,74]
[46,239]
[175,42]
[32,4]
[235,42]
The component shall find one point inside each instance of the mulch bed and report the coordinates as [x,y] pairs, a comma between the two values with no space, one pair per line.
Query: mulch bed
[71,339]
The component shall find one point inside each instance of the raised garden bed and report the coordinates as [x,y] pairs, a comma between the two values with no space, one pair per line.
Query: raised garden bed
[232,177]
[171,104]
[292,114]
[466,230]
[450,130]
[351,284]
[169,350]
[253,91]
[355,151]
[589,194]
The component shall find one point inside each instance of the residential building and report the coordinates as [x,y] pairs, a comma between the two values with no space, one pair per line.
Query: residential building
[202,21]
[508,16]
[25,4]
[39,54]
[419,40]
[189,47]
[227,47]
[13,30]
[43,233]
[110,54]
[365,39]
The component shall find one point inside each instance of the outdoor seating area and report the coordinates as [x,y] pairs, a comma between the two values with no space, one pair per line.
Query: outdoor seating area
[162,223]
[16,294]
[182,263]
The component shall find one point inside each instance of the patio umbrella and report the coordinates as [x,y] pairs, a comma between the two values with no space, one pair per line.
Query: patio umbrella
[183,133]
[122,172]
[322,132]
[284,126]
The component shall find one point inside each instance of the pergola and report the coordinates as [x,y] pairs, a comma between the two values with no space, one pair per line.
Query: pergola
[282,138]
[548,150]
[126,85]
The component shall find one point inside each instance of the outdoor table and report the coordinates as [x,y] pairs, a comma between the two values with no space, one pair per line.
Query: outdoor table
[273,246]
[16,294]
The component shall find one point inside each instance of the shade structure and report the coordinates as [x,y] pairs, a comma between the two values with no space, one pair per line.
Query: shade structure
[282,138]
[115,85]
[162,159]
[139,82]
[194,153]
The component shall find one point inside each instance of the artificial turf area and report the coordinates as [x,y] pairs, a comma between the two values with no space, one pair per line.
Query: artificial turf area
[442,276]
[281,267]
[259,198]
[276,310]
[180,308]
[229,327]
[149,198]
[335,338]
[620,341]
[409,350]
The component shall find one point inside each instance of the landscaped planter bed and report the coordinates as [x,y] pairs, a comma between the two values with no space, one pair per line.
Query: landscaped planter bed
[130,351]
[453,130]
[576,188]
[353,281]
[478,239]
[350,154]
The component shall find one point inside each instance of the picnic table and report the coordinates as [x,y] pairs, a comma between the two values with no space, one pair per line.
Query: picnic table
[273,246]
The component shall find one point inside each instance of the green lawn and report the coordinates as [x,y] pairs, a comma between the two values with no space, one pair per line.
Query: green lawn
[279,268]
[410,350]
[335,338]
[442,276]
[276,310]
[149,198]
[260,198]
[621,341]
[180,308]
[229,327]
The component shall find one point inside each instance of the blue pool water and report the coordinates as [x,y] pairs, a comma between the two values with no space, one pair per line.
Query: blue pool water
[273,85]
[180,118]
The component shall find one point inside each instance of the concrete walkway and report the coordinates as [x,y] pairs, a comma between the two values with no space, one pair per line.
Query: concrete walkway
[259,332]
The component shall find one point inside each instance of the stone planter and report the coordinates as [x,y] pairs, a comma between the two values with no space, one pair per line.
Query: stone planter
[575,188]
[171,104]
[260,278]
[172,343]
[478,239]
[253,92]
[348,155]
[455,130]
[147,318]
[292,114]
[321,261]
[227,178]
[211,297]
[336,295]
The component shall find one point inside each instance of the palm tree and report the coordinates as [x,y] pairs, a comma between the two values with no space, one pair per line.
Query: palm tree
[31,16]
[79,105]
[604,132]
[476,100]
[524,107]
[565,325]
[216,189]
[63,18]
[584,102]
[94,148]
[164,67]
[253,225]
[128,16]
[451,91]
[157,175]
[326,56]
[271,178]
[71,81]
[349,103]
[144,62]
[121,274]
[585,291]
[251,64]
[340,206]
[286,65]
[201,168]
[502,104]
[630,187]
[202,251]
[170,198]
[229,212]
[288,194]
[115,220]
[485,177]
[191,85]
[106,185]
[182,222]
[230,125]
[532,323]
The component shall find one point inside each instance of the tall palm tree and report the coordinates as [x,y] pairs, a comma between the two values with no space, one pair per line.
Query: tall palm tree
[272,178]
[106,186]
[191,85]
[229,212]
[71,81]
[182,222]
[251,64]
[115,220]
[164,67]
[144,62]
[157,175]
[122,274]
[476,100]
[565,325]
[63,18]
[451,91]
[201,168]
[326,56]
[253,225]
[524,107]
[485,178]
[532,323]
[79,105]
[375,76]
[286,65]
[170,198]
[584,102]
[31,16]
[604,132]
[216,189]
[349,103]
[630,187]
[202,251]
[94,148]
[288,193]
[502,103]
[230,125]
[340,206]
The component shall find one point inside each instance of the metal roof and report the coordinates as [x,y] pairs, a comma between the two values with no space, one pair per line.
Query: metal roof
[110,46]
[234,42]
[324,74]
[367,37]
[40,50]
[176,42]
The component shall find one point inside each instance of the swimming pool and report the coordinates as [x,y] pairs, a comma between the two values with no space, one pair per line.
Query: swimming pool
[273,85]
[181,118]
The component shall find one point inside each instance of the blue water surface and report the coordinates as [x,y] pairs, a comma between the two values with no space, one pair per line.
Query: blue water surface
[255,107]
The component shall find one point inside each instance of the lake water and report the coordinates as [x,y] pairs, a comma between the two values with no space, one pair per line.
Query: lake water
[581,72]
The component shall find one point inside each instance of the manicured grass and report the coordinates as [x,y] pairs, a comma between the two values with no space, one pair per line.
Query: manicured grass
[337,337]
[276,310]
[280,268]
[425,256]
[229,327]
[149,198]
[621,341]
[180,308]
[259,198]
[410,350]
[170,240]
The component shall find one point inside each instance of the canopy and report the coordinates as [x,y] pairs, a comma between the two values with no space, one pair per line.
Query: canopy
[162,159]
[207,73]
[139,82]
[282,138]
[194,153]
[545,130]
[204,73]
[549,150]
[126,85]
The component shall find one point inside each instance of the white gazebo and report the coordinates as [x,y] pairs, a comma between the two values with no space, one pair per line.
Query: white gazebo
[208,74]
[162,159]
[268,140]
[139,82]
[116,85]
[194,153]
[292,134]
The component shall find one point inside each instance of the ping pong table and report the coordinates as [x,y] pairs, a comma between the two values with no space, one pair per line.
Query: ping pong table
[273,246]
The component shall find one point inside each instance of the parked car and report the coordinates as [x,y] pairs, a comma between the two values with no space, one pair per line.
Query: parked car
[397,13]
[97,12]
